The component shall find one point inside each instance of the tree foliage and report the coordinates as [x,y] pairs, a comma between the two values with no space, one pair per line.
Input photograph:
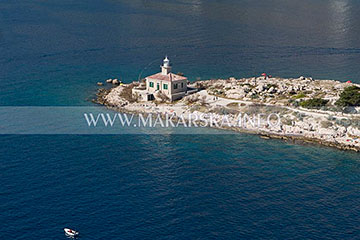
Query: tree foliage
[350,97]
[314,103]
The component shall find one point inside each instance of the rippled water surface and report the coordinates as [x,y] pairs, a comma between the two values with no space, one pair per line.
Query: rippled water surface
[58,50]
[161,187]
[172,186]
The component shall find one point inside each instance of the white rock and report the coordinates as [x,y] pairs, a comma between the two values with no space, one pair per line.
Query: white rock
[272,90]
[354,131]
[326,131]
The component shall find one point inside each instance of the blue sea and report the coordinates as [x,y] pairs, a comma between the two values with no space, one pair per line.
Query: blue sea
[172,186]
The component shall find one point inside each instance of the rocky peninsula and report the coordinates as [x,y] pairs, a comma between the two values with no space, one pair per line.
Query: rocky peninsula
[320,111]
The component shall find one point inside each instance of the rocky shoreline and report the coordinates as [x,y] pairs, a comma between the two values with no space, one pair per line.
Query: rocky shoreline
[227,98]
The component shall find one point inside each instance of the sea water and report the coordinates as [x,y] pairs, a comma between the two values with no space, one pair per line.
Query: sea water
[170,186]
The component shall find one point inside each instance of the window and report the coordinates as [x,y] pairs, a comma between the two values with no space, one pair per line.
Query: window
[182,85]
[175,86]
[165,86]
[151,84]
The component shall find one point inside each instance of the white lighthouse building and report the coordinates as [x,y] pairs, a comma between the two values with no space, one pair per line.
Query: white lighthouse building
[172,85]
[166,68]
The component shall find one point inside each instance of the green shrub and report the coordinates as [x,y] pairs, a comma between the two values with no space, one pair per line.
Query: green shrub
[350,97]
[254,96]
[295,103]
[300,95]
[314,103]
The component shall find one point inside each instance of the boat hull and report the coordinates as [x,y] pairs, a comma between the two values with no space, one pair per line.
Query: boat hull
[70,232]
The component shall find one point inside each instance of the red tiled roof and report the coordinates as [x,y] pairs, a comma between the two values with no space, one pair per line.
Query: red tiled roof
[170,77]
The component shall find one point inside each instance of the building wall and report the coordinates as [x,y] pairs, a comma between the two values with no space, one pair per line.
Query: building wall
[154,88]
[179,86]
[171,86]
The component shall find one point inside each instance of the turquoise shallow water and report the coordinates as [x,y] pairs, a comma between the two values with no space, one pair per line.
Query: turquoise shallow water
[172,186]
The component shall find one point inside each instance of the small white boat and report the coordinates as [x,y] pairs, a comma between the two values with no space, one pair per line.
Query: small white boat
[70,232]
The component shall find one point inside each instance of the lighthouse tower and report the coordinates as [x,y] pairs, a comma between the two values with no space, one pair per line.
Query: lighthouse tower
[166,68]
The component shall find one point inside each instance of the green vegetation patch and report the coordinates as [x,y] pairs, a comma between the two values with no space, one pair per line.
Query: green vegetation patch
[350,97]
[314,103]
[300,95]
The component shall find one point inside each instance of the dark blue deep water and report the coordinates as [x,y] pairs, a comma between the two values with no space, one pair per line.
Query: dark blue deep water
[234,186]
